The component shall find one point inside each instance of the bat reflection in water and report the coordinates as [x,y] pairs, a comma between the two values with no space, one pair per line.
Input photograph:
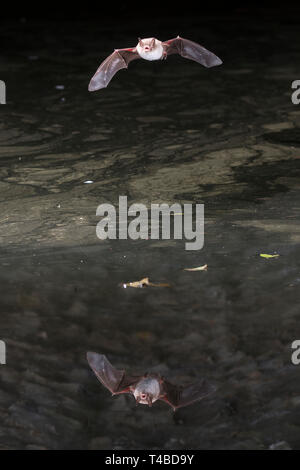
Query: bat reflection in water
[151,49]
[146,388]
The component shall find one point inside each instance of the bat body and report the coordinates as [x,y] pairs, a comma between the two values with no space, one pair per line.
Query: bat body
[147,388]
[150,49]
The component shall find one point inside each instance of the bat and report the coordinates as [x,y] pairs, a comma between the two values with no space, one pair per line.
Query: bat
[150,49]
[146,388]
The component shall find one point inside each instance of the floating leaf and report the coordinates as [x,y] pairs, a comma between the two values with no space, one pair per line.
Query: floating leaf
[137,284]
[264,255]
[144,283]
[200,268]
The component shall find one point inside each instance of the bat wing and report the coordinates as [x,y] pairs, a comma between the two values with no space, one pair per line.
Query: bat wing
[178,397]
[115,380]
[191,50]
[119,59]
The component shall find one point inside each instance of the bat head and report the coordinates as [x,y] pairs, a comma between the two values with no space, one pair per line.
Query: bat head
[147,391]
[145,398]
[149,48]
[147,44]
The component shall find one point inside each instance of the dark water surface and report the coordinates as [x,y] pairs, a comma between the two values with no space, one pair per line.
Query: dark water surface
[228,137]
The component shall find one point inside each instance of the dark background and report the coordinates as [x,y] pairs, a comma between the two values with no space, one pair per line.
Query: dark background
[170,131]
[144,9]
[119,10]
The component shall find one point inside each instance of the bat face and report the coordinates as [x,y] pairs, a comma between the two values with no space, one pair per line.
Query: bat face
[150,49]
[147,391]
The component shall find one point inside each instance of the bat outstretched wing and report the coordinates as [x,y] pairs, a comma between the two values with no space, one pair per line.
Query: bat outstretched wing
[191,50]
[118,60]
[178,397]
[116,381]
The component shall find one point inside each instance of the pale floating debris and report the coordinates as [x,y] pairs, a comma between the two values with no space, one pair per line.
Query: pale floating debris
[144,283]
[60,87]
[199,268]
[282,445]
[264,255]
[88,182]
[43,335]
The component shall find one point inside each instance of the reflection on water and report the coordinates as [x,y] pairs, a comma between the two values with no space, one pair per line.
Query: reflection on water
[166,133]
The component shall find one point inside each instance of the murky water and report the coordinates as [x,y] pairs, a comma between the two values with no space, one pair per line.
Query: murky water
[227,137]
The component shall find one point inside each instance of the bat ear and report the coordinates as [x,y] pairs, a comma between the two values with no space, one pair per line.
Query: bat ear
[140,42]
[152,42]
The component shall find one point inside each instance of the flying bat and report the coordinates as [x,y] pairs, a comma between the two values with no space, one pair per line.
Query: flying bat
[146,388]
[150,49]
